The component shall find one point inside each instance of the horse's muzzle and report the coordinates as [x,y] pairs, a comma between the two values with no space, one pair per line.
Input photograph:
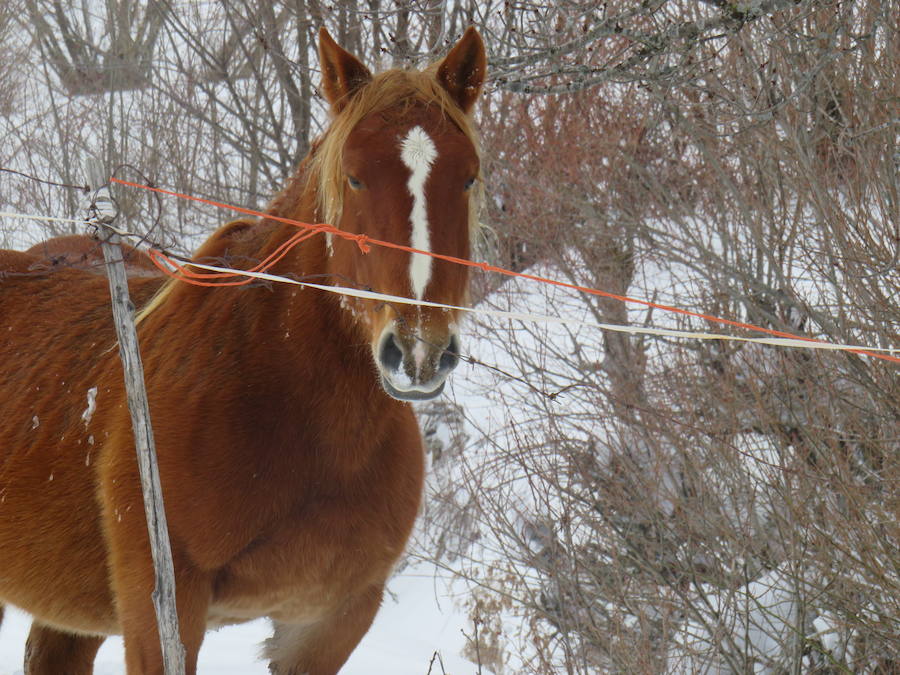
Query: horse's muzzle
[412,367]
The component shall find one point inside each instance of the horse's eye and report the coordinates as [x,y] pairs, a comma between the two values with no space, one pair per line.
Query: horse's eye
[355,183]
[469,184]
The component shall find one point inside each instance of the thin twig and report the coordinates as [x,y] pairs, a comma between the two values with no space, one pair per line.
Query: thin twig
[83,188]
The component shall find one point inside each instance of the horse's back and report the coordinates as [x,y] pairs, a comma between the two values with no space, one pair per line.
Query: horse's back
[52,319]
[17,263]
[83,252]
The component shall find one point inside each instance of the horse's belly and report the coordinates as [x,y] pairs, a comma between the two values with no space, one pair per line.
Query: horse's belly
[288,604]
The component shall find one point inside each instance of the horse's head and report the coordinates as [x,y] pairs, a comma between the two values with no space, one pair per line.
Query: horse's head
[400,163]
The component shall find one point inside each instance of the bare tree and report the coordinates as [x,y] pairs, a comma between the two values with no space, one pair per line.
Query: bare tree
[705,502]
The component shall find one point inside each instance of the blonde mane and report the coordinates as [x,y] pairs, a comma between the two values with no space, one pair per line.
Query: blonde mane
[158,298]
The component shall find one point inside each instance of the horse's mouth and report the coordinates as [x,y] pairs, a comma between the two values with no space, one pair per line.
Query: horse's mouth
[411,394]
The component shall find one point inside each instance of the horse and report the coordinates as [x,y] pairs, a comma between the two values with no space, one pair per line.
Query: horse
[290,457]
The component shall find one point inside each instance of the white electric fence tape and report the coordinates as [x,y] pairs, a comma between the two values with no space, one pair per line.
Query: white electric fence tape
[541,318]
[49,219]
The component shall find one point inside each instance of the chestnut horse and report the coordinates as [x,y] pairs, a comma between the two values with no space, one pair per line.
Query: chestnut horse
[290,459]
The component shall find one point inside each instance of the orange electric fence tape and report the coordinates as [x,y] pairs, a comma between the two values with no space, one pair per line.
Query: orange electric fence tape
[364,243]
[186,275]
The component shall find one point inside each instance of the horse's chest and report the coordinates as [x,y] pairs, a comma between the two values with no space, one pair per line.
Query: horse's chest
[307,565]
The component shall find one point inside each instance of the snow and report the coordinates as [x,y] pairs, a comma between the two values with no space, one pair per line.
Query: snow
[91,406]
[827,631]
[756,622]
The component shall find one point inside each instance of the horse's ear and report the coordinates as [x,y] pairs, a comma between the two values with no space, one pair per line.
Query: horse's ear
[462,71]
[342,73]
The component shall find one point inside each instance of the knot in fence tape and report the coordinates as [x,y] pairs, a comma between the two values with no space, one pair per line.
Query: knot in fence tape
[363,242]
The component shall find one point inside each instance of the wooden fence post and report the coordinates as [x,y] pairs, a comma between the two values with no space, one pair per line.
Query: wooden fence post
[102,214]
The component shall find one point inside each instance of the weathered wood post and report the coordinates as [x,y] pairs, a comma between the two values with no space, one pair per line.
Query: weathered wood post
[102,214]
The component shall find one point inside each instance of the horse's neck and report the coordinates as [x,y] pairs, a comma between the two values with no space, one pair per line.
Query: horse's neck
[292,328]
[318,361]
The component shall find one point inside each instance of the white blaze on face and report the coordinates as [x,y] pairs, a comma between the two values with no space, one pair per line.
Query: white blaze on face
[418,154]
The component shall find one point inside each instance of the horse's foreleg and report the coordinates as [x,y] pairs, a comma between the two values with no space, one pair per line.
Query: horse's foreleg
[321,648]
[132,574]
[134,581]
[134,588]
[52,652]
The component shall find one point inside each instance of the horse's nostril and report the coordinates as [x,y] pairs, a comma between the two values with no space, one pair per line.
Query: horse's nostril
[450,357]
[390,355]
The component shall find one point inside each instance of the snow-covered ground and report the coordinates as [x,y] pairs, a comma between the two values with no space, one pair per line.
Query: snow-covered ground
[417,619]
